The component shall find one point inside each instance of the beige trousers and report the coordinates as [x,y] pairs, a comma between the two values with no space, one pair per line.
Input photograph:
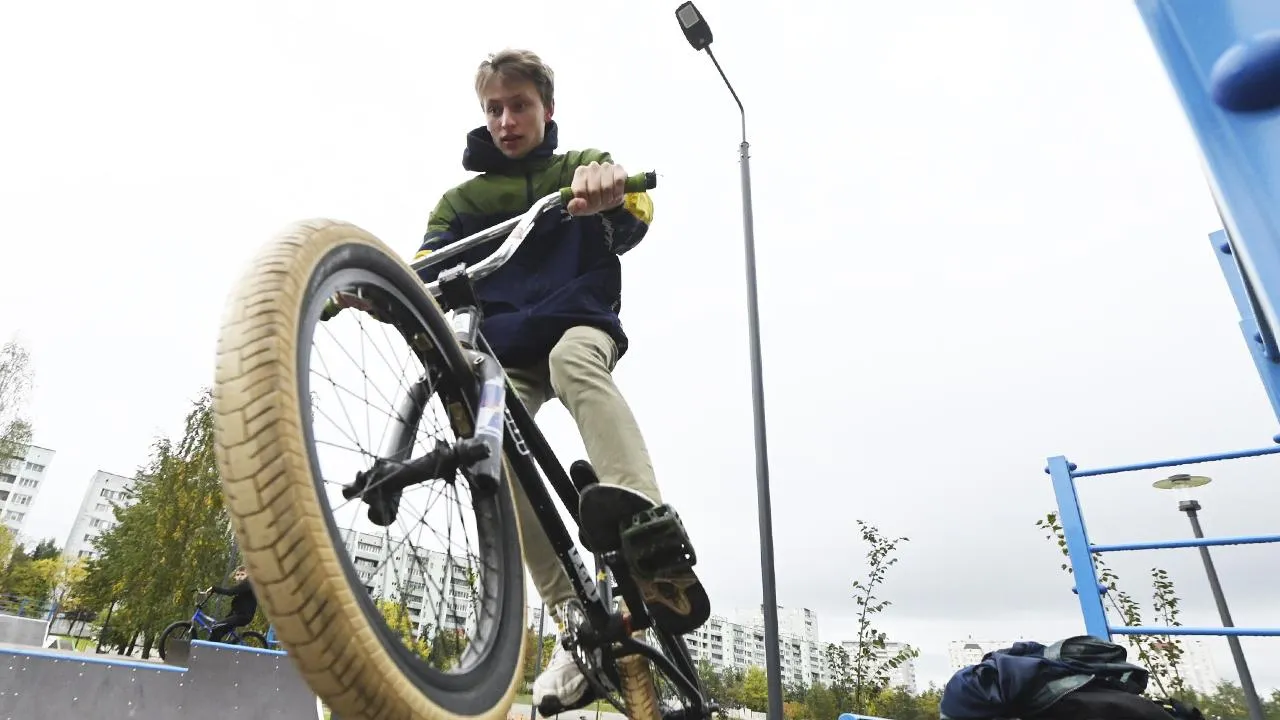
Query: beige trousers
[579,373]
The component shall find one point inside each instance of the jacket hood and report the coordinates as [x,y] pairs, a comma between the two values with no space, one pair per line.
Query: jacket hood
[483,156]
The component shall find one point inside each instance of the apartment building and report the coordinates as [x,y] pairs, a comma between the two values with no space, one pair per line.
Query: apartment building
[20,481]
[96,514]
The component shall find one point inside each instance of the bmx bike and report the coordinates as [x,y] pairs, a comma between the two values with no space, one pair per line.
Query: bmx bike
[202,622]
[364,647]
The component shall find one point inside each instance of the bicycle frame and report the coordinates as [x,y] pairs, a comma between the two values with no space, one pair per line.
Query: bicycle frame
[502,417]
[205,622]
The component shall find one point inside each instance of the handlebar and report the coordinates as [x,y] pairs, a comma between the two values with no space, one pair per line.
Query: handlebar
[516,229]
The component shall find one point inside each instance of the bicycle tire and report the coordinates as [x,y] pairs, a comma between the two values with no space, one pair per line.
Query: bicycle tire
[305,583]
[163,642]
[259,641]
[636,674]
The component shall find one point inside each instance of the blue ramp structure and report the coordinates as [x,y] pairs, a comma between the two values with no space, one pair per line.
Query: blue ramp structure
[1223,61]
[220,681]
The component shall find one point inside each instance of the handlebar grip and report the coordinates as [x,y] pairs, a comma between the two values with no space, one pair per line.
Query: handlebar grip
[637,183]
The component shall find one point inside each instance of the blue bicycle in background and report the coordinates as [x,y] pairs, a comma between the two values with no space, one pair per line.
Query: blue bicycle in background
[188,630]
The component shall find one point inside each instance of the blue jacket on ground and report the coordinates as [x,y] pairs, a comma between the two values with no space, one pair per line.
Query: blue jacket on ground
[1028,677]
[566,272]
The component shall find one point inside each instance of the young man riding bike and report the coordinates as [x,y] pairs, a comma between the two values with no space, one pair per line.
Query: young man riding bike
[244,604]
[551,312]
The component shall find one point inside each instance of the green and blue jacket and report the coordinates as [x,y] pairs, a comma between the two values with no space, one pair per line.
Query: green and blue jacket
[566,272]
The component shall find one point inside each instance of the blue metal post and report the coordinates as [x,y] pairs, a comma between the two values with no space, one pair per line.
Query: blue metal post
[1087,587]
[1250,322]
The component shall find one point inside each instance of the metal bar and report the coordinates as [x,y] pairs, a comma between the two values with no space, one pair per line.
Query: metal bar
[1197,542]
[1268,371]
[465,244]
[537,661]
[1215,631]
[1073,529]
[1193,460]
[768,578]
[520,228]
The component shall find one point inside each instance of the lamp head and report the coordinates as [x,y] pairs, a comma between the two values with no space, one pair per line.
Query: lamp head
[695,27]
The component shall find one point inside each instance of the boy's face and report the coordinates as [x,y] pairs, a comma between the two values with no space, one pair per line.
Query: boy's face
[516,117]
[240,575]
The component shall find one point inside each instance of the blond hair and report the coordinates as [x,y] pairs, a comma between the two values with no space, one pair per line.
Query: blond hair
[518,65]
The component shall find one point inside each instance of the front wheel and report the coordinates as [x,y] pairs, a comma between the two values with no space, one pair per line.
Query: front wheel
[334,562]
[180,630]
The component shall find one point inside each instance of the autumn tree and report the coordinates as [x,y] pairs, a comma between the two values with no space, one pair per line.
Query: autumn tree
[532,664]
[8,546]
[33,575]
[171,537]
[755,689]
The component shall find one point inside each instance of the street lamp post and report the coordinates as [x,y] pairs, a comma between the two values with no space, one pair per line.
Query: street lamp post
[698,34]
[1191,507]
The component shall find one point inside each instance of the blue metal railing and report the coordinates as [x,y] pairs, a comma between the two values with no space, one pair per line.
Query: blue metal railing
[1081,551]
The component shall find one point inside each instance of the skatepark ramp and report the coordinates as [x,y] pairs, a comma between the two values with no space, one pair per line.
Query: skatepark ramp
[18,630]
[219,681]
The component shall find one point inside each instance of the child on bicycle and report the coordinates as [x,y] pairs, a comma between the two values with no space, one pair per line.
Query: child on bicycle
[244,605]
[551,313]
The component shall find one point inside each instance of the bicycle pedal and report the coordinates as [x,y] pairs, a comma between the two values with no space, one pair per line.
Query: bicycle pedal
[655,543]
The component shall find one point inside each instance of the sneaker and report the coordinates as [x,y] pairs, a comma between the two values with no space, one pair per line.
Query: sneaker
[676,599]
[561,683]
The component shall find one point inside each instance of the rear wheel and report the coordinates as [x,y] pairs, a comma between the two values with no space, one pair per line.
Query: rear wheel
[253,640]
[346,594]
[644,691]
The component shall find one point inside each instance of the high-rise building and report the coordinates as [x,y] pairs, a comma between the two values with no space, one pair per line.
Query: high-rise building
[96,515]
[798,621]
[739,645]
[803,656]
[1195,665]
[963,653]
[20,481]
[902,676]
[392,571]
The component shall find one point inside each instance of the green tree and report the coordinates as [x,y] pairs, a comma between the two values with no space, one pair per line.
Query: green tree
[15,385]
[871,661]
[171,537]
[755,690]
[44,550]
[397,618]
[929,702]
[898,704]
[8,547]
[794,710]
[840,668]
[34,579]
[821,702]
[1226,702]
[532,664]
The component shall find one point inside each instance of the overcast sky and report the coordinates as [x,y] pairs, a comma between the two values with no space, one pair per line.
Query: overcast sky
[981,232]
